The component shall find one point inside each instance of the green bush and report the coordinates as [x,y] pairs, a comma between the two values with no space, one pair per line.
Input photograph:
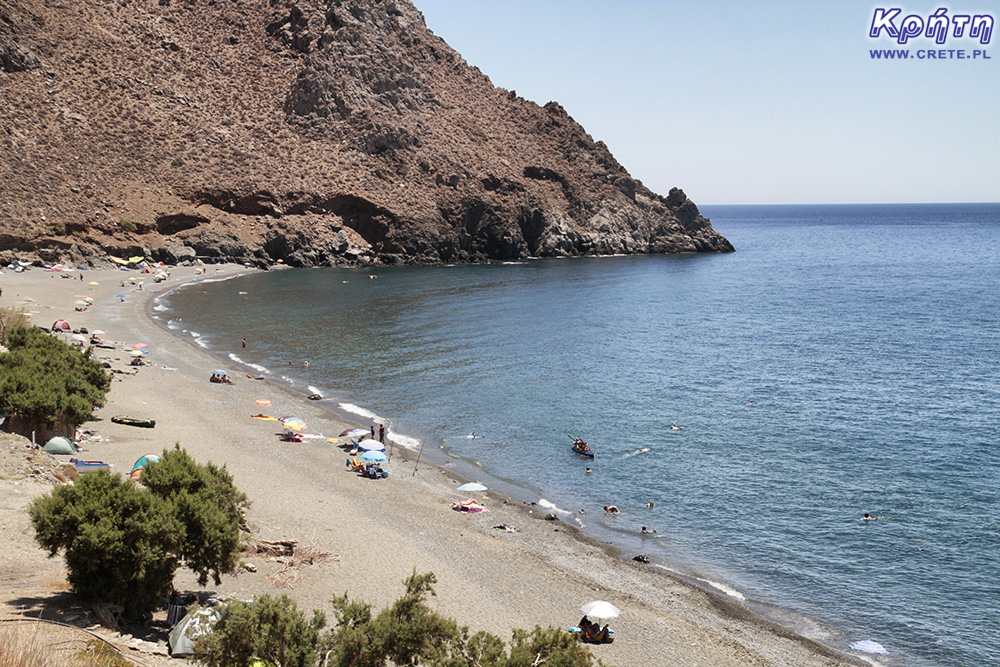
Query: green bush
[406,633]
[271,629]
[123,543]
[119,540]
[208,506]
[128,224]
[41,378]
[11,318]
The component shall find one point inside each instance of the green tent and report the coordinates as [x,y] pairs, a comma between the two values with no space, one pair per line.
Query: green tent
[61,445]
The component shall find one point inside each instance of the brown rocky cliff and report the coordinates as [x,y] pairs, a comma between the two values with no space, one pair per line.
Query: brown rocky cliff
[315,132]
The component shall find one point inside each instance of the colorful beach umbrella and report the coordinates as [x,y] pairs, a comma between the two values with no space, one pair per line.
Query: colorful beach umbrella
[93,282]
[262,401]
[354,433]
[293,424]
[135,353]
[140,346]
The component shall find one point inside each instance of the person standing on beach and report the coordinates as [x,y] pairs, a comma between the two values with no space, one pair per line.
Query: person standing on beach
[244,342]
[381,433]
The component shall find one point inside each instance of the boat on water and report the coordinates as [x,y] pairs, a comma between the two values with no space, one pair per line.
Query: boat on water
[582,448]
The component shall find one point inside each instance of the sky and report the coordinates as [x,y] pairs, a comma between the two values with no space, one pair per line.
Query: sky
[768,102]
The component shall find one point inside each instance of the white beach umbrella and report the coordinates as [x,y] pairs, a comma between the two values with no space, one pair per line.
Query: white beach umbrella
[370,445]
[601,609]
[472,486]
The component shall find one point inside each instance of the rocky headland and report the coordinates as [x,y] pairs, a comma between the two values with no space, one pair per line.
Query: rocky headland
[312,131]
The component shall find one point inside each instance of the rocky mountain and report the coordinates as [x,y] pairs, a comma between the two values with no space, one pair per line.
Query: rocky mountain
[312,131]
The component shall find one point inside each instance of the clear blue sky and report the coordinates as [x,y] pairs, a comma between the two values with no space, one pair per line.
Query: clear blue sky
[750,102]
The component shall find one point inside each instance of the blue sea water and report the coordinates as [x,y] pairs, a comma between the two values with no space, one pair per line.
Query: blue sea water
[844,360]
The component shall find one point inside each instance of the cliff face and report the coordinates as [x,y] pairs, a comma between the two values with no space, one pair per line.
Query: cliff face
[313,131]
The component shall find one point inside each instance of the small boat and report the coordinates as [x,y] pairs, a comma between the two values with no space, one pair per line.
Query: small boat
[88,466]
[132,421]
[582,448]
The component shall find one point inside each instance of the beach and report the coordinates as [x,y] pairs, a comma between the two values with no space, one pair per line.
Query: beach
[377,531]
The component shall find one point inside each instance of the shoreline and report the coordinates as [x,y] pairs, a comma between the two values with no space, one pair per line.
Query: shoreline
[383,530]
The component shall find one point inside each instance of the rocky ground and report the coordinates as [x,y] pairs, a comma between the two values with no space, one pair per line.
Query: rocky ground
[309,131]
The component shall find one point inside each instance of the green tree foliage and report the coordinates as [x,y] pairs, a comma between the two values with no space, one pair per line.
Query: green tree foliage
[208,506]
[124,543]
[271,629]
[11,318]
[119,540]
[41,378]
[407,633]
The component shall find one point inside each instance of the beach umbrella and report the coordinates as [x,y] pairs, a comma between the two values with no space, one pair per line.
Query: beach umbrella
[472,486]
[80,303]
[79,337]
[374,457]
[370,445]
[93,282]
[293,424]
[98,332]
[354,433]
[89,299]
[600,609]
[262,401]
[868,646]
[135,353]
[139,346]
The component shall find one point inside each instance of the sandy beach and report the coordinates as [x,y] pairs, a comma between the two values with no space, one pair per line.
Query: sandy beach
[379,531]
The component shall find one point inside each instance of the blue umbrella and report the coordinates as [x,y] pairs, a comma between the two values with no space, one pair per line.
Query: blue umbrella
[374,457]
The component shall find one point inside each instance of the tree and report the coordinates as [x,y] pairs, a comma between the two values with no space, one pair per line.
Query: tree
[208,506]
[43,378]
[407,633]
[271,629]
[123,543]
[120,541]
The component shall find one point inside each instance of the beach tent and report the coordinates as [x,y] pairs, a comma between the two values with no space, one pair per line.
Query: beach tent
[60,445]
[141,464]
[61,325]
[195,624]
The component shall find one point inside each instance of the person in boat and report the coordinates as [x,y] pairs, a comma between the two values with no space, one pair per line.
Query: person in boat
[581,445]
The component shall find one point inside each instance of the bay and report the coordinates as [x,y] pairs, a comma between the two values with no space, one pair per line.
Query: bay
[842,361]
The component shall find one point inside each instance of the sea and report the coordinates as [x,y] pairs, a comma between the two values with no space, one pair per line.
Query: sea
[749,407]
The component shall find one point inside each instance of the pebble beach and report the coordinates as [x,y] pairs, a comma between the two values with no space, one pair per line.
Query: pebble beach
[377,532]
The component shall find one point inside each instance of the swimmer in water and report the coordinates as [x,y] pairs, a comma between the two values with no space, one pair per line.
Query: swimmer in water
[867,517]
[647,531]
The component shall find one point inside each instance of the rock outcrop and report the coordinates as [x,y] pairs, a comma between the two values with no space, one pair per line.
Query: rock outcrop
[312,131]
